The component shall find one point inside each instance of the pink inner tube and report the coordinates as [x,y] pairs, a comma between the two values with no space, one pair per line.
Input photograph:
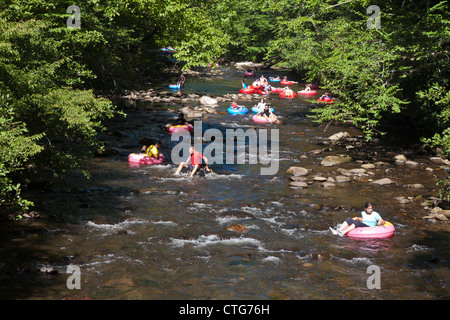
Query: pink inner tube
[143,159]
[314,86]
[260,119]
[187,127]
[247,91]
[379,232]
[289,95]
[249,74]
[308,93]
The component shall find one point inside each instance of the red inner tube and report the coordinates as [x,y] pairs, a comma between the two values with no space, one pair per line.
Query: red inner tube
[248,90]
[287,83]
[290,95]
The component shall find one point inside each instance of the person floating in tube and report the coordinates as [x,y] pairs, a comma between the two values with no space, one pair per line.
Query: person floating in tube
[152,150]
[180,121]
[369,218]
[195,158]
[267,114]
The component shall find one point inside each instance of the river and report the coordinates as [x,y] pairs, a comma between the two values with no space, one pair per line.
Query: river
[142,232]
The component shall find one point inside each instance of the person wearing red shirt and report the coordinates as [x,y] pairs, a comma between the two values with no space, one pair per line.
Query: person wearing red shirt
[195,158]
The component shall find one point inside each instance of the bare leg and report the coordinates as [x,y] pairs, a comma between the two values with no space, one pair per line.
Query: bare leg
[180,167]
[194,170]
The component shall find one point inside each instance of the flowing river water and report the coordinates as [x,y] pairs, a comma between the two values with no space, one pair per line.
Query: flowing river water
[142,232]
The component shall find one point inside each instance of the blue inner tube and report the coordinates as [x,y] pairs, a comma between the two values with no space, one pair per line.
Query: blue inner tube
[275,80]
[240,110]
[174,86]
[255,109]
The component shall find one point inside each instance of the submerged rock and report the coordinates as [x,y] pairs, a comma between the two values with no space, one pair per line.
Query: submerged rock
[238,228]
[384,181]
[330,161]
[298,184]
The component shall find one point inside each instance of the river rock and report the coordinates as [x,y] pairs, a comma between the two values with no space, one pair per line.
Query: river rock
[49,270]
[344,172]
[319,178]
[358,171]
[384,181]
[297,171]
[339,136]
[327,184]
[436,216]
[438,210]
[298,184]
[238,228]
[368,166]
[205,100]
[402,200]
[411,163]
[437,160]
[400,158]
[342,179]
[330,161]
[299,178]
[194,114]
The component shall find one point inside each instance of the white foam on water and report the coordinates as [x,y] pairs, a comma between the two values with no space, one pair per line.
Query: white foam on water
[117,226]
[416,248]
[127,223]
[272,259]
[357,260]
[204,241]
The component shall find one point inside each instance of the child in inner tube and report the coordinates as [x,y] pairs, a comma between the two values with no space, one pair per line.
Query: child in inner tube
[261,104]
[369,218]
[180,121]
[326,95]
[195,159]
[286,80]
[288,91]
[152,150]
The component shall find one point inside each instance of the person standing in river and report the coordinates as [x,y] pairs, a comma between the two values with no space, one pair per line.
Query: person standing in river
[181,80]
[369,218]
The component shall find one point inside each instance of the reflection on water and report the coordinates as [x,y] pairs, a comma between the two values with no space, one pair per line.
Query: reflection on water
[142,232]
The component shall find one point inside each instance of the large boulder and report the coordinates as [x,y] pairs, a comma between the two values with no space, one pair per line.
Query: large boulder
[208,101]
